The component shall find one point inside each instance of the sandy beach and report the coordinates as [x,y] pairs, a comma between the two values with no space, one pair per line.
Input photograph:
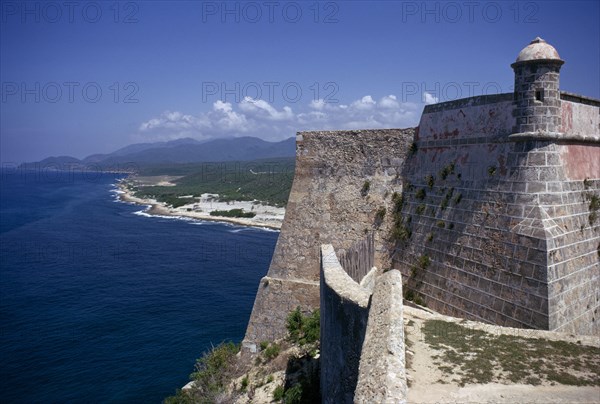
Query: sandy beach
[270,217]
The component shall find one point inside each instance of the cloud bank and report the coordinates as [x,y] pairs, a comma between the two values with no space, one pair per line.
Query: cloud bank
[256,117]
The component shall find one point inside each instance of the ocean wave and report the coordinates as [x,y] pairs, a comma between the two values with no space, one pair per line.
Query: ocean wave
[145,213]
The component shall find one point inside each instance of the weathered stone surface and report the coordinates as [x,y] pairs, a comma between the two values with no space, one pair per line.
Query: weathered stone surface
[517,248]
[500,212]
[326,205]
[382,373]
[344,314]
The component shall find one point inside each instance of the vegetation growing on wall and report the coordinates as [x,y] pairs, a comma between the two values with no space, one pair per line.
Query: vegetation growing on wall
[447,170]
[365,188]
[430,181]
[401,230]
[594,206]
[412,149]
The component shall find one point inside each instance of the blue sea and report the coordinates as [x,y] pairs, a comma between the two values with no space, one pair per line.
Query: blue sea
[100,303]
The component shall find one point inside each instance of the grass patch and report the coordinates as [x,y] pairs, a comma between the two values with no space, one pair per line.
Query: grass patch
[476,356]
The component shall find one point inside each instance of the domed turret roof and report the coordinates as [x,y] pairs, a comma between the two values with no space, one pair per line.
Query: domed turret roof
[538,49]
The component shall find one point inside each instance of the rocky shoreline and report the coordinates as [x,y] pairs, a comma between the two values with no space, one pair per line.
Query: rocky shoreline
[269,217]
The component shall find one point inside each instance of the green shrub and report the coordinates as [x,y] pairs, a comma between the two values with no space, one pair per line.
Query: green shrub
[213,369]
[398,202]
[271,352]
[491,171]
[244,383]
[401,232]
[424,261]
[232,213]
[303,329]
[420,194]
[380,213]
[446,171]
[294,394]
[278,393]
[420,209]
[264,345]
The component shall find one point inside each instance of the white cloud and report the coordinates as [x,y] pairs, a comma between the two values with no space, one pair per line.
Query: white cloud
[256,117]
[430,98]
[262,109]
[390,102]
[365,103]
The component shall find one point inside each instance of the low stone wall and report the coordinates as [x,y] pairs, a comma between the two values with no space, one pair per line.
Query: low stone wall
[362,335]
[344,314]
[382,372]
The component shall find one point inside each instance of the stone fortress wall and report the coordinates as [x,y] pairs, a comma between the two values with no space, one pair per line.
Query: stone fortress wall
[327,204]
[499,220]
[504,223]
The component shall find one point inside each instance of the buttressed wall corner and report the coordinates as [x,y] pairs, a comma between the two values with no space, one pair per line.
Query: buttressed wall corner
[492,208]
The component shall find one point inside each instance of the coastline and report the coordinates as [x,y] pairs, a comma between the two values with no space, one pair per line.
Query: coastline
[269,217]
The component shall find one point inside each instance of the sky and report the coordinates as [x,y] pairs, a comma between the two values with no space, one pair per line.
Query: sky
[85,77]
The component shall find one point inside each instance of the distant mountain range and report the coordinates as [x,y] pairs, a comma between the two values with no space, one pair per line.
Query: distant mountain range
[180,151]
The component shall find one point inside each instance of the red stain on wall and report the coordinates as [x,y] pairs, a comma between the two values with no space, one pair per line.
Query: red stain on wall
[567,117]
[447,135]
[581,162]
